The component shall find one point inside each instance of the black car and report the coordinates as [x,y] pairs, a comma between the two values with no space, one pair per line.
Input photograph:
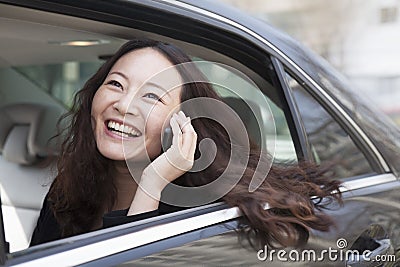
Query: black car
[48,49]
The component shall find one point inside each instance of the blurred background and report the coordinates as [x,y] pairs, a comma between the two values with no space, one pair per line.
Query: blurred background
[360,38]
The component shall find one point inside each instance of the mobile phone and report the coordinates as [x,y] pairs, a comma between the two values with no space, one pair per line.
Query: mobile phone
[167,138]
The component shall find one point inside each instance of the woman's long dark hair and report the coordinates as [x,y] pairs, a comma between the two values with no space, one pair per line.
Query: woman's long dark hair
[84,189]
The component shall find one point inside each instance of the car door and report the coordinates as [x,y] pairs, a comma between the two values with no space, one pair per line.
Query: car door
[207,235]
[366,224]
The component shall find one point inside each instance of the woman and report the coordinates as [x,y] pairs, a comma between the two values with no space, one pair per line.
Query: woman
[114,174]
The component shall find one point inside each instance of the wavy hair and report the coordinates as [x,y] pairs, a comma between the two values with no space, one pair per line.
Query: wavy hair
[84,189]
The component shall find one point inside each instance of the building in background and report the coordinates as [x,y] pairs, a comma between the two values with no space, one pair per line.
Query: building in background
[361,38]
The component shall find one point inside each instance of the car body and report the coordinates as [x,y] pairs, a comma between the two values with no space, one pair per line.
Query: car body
[318,117]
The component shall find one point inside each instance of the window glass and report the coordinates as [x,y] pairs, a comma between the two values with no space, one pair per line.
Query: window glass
[328,140]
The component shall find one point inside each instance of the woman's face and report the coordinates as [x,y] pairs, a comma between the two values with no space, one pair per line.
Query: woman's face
[130,108]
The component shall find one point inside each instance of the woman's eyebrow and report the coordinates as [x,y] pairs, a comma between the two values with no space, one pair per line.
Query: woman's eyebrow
[120,74]
[158,86]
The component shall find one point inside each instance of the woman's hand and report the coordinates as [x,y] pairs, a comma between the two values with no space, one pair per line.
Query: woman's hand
[179,158]
[170,165]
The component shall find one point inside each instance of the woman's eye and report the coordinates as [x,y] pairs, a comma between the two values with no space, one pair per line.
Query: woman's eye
[114,83]
[153,96]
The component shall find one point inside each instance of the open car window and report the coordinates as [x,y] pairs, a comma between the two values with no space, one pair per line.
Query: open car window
[45,77]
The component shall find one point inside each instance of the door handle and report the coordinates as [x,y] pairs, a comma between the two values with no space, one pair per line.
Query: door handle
[368,255]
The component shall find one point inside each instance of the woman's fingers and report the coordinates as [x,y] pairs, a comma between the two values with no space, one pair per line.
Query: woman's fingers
[176,131]
[179,157]
[189,136]
[190,140]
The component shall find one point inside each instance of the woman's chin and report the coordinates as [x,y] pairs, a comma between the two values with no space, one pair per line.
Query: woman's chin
[130,157]
[115,157]
[130,153]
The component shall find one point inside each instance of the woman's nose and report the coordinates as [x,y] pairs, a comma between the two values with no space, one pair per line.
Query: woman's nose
[126,105]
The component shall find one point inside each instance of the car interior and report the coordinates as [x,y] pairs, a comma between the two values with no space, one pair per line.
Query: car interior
[40,70]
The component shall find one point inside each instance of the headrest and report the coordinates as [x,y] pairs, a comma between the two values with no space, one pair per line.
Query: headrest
[248,112]
[26,130]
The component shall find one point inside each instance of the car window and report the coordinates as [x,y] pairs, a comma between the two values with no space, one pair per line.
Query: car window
[330,143]
[51,75]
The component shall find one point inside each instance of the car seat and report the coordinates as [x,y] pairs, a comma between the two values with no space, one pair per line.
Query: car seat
[26,166]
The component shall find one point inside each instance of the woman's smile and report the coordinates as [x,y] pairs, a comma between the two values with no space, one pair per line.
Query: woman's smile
[115,128]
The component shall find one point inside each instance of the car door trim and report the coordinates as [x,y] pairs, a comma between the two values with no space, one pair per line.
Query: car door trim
[367,182]
[327,97]
[104,248]
[114,245]
[165,244]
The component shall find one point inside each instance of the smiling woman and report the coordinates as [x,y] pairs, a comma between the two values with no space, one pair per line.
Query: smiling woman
[121,101]
[117,172]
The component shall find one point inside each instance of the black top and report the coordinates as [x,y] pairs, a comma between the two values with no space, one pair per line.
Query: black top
[47,229]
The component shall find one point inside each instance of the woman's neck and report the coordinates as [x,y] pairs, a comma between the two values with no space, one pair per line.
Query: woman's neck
[125,184]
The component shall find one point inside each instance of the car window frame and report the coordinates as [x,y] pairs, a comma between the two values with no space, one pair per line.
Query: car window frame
[63,244]
[200,217]
[258,64]
[75,12]
[168,243]
[336,115]
[298,128]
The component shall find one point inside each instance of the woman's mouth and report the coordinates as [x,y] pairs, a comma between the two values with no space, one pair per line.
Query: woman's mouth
[122,130]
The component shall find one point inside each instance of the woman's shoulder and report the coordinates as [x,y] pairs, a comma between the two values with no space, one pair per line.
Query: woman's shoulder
[47,229]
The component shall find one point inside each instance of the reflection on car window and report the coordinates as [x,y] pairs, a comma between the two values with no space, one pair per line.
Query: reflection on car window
[220,250]
[329,141]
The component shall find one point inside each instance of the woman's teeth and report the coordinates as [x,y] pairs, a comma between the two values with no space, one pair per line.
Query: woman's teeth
[124,131]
